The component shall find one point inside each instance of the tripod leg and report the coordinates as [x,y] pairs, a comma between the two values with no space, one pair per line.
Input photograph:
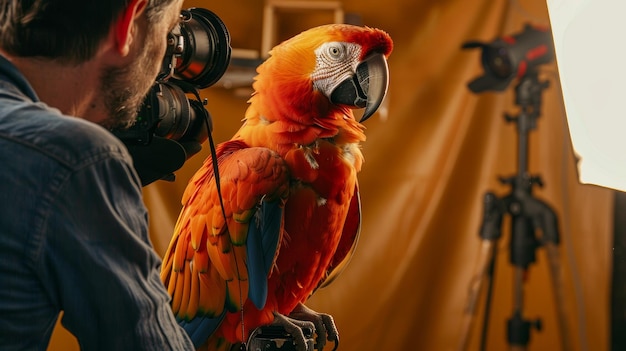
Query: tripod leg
[523,245]
[557,286]
[516,324]
[485,259]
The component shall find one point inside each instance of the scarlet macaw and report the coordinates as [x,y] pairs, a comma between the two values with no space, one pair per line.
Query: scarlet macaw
[290,215]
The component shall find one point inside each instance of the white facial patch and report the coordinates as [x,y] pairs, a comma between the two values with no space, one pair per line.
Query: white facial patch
[335,62]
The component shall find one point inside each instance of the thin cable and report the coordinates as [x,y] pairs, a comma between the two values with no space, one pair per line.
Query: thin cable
[216,176]
[243,329]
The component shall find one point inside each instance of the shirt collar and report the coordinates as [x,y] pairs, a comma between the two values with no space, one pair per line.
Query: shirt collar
[9,71]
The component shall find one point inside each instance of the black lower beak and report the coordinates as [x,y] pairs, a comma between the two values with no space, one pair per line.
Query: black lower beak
[366,88]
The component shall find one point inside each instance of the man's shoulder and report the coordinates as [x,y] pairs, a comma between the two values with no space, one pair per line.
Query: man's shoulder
[69,140]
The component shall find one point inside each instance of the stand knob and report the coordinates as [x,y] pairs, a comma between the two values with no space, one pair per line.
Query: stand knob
[519,329]
[509,118]
[536,180]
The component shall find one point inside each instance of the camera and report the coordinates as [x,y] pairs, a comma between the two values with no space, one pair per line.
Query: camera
[197,55]
[511,57]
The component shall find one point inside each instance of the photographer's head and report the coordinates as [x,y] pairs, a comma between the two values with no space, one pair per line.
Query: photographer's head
[104,54]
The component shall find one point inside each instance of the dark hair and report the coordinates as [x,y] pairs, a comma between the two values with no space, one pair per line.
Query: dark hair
[69,30]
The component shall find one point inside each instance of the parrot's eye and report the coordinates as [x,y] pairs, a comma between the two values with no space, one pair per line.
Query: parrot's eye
[335,51]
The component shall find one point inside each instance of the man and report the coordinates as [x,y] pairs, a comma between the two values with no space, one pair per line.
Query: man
[73,227]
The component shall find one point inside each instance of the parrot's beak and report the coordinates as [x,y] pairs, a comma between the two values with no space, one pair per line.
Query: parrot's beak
[366,88]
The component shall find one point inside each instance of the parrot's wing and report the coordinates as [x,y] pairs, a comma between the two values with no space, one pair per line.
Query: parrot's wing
[219,255]
[348,242]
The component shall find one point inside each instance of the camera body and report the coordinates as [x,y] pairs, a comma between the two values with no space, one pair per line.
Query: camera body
[197,55]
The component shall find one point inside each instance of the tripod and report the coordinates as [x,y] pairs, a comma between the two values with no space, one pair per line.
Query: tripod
[528,215]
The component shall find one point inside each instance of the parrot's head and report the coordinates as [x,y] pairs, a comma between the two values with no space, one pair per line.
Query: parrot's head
[332,67]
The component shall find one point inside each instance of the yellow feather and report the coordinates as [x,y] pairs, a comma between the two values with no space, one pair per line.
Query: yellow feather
[217,222]
[238,232]
[215,256]
[194,294]
[233,258]
[177,293]
[181,221]
[186,291]
[237,293]
[201,261]
[166,269]
[212,293]
[198,228]
[171,283]
[180,251]
[244,216]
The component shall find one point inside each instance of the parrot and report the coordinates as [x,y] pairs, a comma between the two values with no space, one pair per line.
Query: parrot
[274,213]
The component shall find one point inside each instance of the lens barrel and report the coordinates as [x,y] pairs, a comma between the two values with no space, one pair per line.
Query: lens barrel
[206,51]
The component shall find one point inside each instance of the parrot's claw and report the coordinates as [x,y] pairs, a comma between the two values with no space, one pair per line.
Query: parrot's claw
[294,327]
[325,327]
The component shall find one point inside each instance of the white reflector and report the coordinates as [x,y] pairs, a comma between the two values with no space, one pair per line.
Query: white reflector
[590,47]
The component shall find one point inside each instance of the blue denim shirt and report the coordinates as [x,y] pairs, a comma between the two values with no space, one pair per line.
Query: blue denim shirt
[73,234]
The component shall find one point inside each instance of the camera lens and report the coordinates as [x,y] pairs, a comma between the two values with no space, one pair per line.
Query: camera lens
[179,118]
[173,111]
[497,60]
[206,51]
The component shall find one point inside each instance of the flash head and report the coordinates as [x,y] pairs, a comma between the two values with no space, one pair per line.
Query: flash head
[510,57]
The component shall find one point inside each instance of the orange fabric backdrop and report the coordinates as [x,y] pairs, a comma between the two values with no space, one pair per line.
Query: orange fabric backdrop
[428,164]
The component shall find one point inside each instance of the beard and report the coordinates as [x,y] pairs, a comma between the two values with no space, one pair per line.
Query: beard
[125,88]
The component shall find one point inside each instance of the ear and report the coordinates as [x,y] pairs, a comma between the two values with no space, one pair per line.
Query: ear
[124,25]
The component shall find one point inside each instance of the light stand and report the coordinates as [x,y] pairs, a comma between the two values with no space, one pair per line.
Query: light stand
[528,215]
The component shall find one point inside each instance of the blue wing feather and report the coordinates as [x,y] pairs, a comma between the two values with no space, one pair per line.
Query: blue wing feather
[263,237]
[200,328]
